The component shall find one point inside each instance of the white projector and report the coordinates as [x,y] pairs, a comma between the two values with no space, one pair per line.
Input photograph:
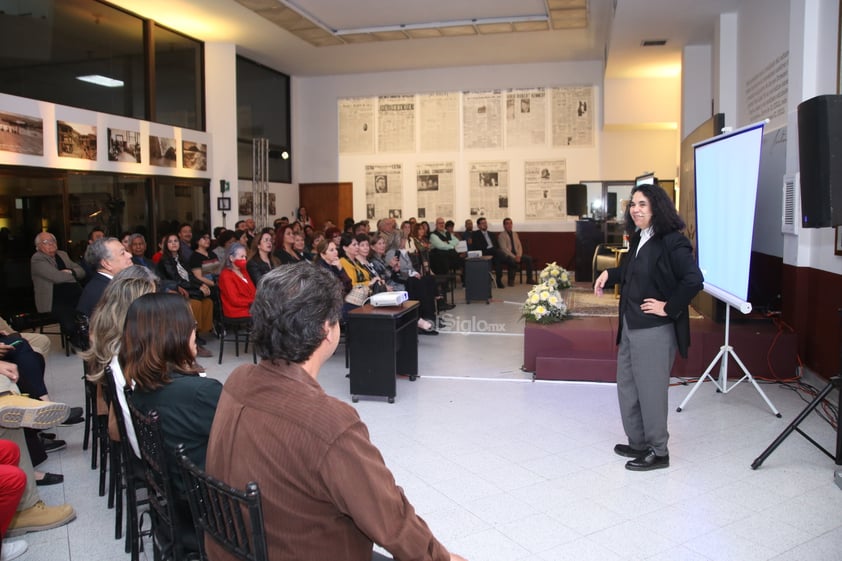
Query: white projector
[389,298]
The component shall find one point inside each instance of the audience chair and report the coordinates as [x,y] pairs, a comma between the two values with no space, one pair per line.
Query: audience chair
[31,322]
[96,431]
[172,528]
[126,474]
[232,329]
[232,518]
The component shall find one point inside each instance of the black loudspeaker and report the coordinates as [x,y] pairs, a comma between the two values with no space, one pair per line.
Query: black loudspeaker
[577,200]
[820,152]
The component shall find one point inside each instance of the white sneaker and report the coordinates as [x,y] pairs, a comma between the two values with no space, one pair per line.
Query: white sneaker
[13,550]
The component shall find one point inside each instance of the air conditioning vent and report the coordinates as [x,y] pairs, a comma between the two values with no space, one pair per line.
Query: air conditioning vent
[791,211]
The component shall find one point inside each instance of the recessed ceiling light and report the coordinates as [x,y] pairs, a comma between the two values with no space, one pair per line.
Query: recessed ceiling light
[653,42]
[100,80]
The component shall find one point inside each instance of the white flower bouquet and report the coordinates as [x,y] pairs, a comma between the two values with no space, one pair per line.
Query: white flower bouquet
[555,276]
[544,304]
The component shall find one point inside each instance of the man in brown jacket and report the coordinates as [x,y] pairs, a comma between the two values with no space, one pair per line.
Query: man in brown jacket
[327,494]
[511,252]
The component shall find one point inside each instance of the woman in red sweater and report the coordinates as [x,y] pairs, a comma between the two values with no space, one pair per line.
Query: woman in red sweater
[236,290]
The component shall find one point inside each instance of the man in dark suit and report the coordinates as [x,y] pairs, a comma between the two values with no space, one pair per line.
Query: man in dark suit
[108,257]
[483,240]
[137,245]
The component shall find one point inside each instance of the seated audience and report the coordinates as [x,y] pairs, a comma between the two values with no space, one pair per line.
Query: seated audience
[300,247]
[328,257]
[236,289]
[223,242]
[55,280]
[484,241]
[31,514]
[95,234]
[137,246]
[204,263]
[511,253]
[322,481]
[158,358]
[304,218]
[378,282]
[107,257]
[261,259]
[173,267]
[443,256]
[285,244]
[423,289]
[106,329]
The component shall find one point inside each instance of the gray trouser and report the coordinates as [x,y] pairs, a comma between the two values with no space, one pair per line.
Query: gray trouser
[644,361]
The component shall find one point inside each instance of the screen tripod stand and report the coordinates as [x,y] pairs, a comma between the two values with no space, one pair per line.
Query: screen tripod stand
[835,383]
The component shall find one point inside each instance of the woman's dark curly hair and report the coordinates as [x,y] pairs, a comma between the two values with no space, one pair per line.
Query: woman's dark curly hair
[664,217]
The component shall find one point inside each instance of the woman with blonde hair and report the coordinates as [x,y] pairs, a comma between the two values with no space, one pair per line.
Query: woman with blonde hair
[106,328]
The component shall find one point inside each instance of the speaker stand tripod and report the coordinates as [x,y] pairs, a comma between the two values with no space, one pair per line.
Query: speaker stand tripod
[835,383]
[721,384]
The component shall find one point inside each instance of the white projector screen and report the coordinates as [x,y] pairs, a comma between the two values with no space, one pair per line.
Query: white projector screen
[727,168]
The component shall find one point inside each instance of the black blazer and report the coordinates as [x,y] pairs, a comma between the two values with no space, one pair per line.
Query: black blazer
[256,268]
[92,293]
[478,243]
[168,271]
[673,272]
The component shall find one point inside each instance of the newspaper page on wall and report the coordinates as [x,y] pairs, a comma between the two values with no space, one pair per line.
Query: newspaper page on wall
[545,189]
[489,184]
[383,191]
[526,123]
[356,126]
[396,123]
[438,119]
[572,116]
[481,122]
[435,190]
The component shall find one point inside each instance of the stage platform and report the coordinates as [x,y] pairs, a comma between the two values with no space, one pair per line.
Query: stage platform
[584,349]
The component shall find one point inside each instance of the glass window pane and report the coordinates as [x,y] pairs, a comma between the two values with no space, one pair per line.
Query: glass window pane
[178,201]
[179,99]
[46,46]
[263,112]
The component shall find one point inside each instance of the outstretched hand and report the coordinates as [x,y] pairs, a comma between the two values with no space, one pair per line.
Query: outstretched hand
[600,283]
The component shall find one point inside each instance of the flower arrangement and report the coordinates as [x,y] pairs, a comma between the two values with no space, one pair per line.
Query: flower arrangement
[544,304]
[554,276]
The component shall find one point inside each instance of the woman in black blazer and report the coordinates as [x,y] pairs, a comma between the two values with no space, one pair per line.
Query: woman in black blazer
[658,278]
[261,260]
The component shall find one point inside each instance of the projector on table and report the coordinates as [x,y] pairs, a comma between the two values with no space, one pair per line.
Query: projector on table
[389,298]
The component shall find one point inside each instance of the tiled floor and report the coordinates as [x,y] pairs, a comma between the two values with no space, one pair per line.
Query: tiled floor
[506,469]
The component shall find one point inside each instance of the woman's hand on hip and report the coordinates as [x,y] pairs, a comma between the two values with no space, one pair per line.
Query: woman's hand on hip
[654,307]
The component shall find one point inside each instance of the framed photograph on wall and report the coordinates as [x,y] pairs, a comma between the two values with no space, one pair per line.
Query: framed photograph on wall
[837,247]
[223,203]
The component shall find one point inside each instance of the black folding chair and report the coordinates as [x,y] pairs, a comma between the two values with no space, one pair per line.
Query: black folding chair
[231,517]
[172,528]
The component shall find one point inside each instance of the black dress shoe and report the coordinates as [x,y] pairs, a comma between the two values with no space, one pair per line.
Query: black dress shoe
[500,285]
[50,479]
[427,331]
[648,462]
[53,445]
[75,417]
[628,452]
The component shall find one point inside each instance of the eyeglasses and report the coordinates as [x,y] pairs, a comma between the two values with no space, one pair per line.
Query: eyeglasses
[48,242]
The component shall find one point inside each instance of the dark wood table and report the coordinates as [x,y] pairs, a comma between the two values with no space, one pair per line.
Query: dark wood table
[383,344]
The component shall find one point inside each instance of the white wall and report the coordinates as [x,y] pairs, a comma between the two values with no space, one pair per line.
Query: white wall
[315,130]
